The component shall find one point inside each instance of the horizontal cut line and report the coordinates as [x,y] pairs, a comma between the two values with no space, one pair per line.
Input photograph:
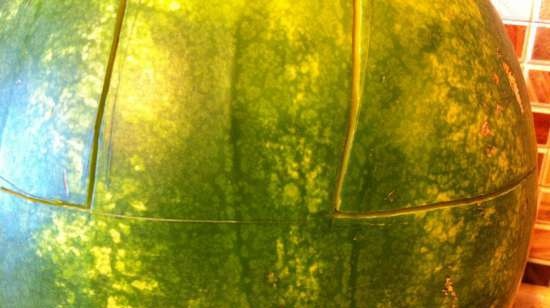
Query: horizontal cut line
[338,215]
[200,221]
[35,199]
[435,206]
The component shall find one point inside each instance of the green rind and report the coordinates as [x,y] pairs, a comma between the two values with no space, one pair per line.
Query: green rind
[53,57]
[68,258]
[444,112]
[220,148]
[247,104]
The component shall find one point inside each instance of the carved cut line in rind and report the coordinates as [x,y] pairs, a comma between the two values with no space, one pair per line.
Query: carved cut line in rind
[24,193]
[102,102]
[35,199]
[355,104]
[420,137]
[97,129]
[435,206]
[338,216]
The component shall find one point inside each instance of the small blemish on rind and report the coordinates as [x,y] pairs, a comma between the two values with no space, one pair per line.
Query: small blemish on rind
[513,84]
[486,129]
[449,290]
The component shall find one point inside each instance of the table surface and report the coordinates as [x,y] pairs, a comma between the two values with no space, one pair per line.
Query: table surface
[531,296]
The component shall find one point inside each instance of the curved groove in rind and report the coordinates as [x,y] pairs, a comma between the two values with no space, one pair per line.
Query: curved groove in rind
[352,125]
[435,206]
[102,102]
[355,101]
[335,216]
[97,128]
[35,199]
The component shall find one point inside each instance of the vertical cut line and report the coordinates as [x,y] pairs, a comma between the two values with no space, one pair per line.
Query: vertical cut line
[102,102]
[355,102]
[354,268]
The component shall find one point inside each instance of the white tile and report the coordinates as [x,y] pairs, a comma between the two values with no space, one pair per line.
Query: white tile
[514,9]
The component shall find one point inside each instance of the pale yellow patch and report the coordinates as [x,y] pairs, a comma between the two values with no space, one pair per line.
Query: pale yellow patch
[115,235]
[453,112]
[120,266]
[442,197]
[122,286]
[293,237]
[138,205]
[313,205]
[457,136]
[503,162]
[137,163]
[143,285]
[290,72]
[314,268]
[113,302]
[280,249]
[102,260]
[174,6]
[454,229]
[110,206]
[49,56]
[108,197]
[490,211]
[291,192]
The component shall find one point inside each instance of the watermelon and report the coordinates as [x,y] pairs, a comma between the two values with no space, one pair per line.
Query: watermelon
[165,153]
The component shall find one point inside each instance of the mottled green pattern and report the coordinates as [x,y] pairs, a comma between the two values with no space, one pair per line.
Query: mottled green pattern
[220,146]
[53,57]
[227,110]
[439,119]
[60,258]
